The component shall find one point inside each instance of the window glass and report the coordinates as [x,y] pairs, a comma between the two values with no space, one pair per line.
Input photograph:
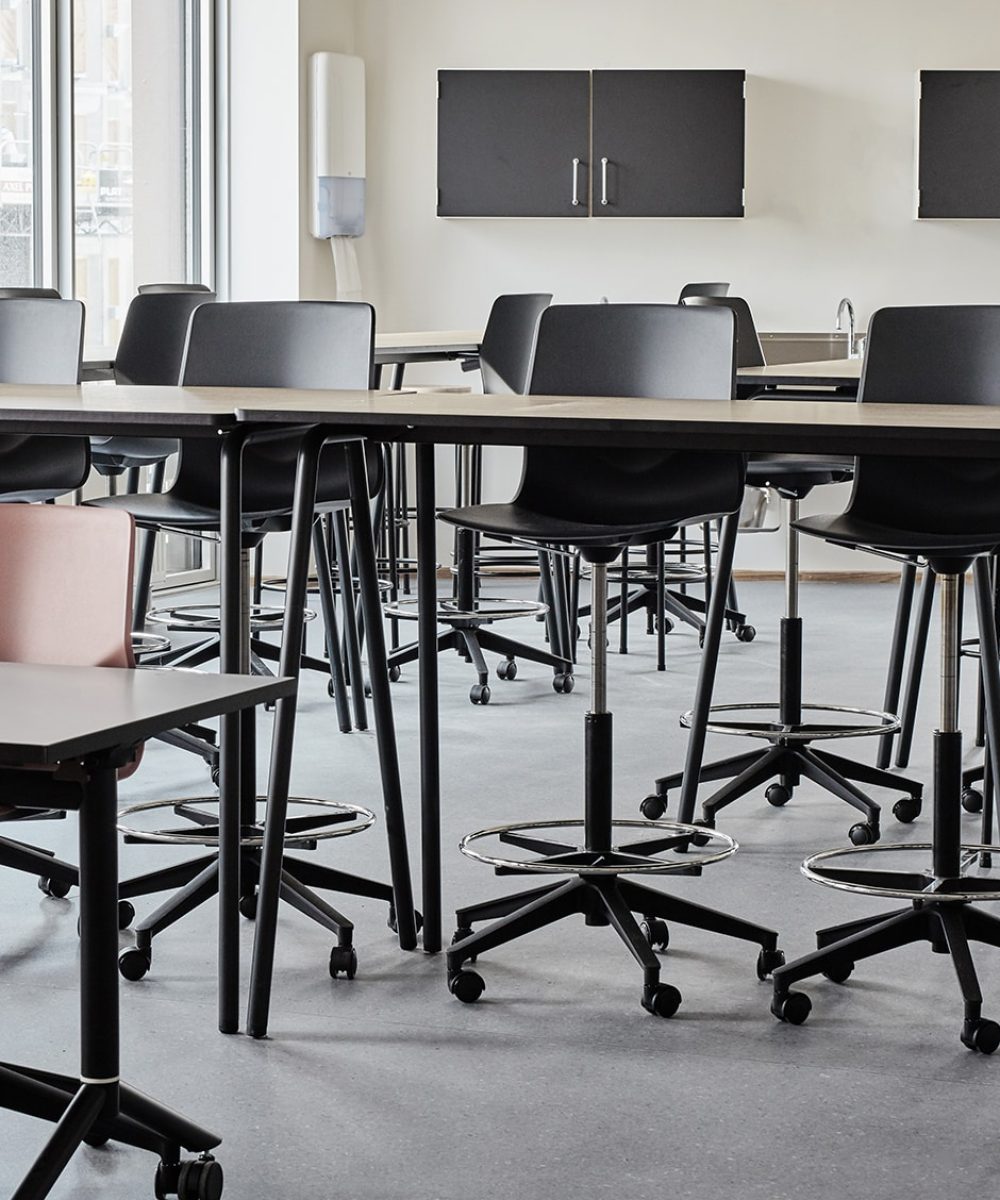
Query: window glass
[16,109]
[131,148]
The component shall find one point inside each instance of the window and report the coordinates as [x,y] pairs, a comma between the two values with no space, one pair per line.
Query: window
[122,179]
[17,105]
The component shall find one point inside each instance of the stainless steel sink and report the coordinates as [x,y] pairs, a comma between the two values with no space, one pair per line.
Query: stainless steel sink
[803,347]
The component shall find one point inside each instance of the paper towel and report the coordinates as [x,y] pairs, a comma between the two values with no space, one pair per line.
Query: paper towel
[345,267]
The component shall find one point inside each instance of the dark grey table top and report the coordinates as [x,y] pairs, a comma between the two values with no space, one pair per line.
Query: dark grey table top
[52,713]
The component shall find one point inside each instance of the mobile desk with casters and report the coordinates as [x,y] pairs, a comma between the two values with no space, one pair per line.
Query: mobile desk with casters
[86,722]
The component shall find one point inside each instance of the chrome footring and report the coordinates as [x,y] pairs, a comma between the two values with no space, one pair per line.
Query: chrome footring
[651,865]
[936,889]
[672,573]
[206,618]
[775,731]
[149,643]
[280,584]
[364,818]
[486,611]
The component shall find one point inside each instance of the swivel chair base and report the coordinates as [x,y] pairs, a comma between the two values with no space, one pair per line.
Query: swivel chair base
[790,757]
[597,890]
[941,910]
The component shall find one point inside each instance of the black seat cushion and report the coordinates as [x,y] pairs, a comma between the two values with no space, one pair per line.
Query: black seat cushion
[851,531]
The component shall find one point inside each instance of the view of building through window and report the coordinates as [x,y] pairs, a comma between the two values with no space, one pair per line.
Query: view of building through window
[16,107]
[131,151]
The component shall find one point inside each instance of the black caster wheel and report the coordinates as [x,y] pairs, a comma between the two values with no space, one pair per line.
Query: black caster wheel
[199,1179]
[507,669]
[863,834]
[701,639]
[343,959]
[330,690]
[248,906]
[792,1007]
[368,689]
[96,1140]
[418,919]
[126,914]
[662,1000]
[908,809]
[479,693]
[981,1035]
[54,887]
[215,772]
[133,963]
[701,839]
[467,986]
[563,683]
[972,800]
[656,932]
[768,961]
[839,971]
[394,674]
[777,795]
[745,633]
[653,807]
[666,625]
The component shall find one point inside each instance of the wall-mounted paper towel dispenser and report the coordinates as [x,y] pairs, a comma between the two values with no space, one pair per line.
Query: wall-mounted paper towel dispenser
[337,134]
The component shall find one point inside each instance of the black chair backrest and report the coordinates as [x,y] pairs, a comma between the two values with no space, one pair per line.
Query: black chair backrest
[652,350]
[151,346]
[931,355]
[293,344]
[702,289]
[41,341]
[748,349]
[509,341]
[29,293]
[146,289]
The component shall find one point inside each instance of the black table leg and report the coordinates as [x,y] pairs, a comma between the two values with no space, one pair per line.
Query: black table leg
[265,932]
[231,728]
[430,767]
[385,728]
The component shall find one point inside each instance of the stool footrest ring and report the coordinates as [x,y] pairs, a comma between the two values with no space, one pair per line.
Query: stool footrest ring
[774,731]
[640,856]
[335,820]
[896,884]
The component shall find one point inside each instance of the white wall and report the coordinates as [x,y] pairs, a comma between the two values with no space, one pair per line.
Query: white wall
[831,103]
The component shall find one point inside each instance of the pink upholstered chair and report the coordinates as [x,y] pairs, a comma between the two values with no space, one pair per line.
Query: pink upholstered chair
[66,599]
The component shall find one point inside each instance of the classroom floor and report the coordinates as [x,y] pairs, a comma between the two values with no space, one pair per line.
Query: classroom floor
[556,1084]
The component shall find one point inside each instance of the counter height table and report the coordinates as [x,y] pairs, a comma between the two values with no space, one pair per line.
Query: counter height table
[840,373]
[178,412]
[820,427]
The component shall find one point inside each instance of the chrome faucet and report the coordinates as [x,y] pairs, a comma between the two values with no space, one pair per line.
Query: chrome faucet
[846,303]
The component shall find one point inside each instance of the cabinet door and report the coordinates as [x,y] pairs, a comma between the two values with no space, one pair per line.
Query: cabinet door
[507,141]
[959,144]
[668,143]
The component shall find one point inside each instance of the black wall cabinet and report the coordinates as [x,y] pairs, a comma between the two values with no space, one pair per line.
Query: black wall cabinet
[507,141]
[668,143]
[603,144]
[959,144]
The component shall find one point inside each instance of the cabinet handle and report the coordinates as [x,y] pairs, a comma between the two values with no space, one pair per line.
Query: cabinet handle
[576,183]
[604,181]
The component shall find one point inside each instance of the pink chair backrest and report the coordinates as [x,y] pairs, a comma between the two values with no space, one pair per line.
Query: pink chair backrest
[65,585]
[66,588]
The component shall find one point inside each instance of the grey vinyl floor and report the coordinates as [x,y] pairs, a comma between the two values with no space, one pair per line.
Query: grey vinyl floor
[556,1084]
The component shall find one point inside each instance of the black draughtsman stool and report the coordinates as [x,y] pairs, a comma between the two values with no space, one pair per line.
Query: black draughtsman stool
[601,499]
[948,512]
